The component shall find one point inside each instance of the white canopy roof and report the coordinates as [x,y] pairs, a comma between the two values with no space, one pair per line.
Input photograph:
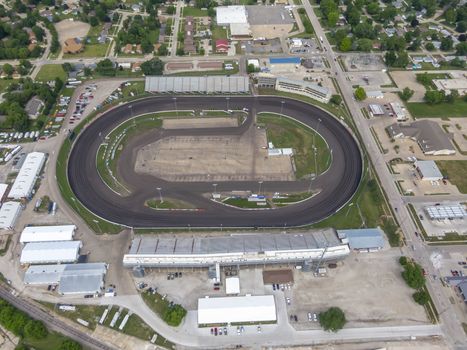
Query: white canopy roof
[47,233]
[50,252]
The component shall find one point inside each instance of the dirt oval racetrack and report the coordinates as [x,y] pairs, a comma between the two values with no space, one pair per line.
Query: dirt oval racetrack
[336,185]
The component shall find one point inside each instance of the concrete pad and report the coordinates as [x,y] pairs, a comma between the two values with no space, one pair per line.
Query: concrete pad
[195,123]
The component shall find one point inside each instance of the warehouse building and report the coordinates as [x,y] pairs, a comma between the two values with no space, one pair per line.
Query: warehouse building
[305,88]
[235,250]
[24,182]
[3,189]
[202,85]
[71,278]
[50,252]
[243,309]
[428,134]
[47,233]
[446,212]
[428,170]
[9,213]
[363,240]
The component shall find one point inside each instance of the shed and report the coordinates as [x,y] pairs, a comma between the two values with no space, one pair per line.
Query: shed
[232,285]
[47,233]
[26,178]
[236,309]
[367,239]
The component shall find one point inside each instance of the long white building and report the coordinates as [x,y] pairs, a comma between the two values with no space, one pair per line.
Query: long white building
[9,213]
[304,88]
[237,249]
[47,233]
[24,182]
[241,309]
[50,252]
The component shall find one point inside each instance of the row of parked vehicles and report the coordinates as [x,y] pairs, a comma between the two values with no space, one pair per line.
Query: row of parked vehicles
[17,136]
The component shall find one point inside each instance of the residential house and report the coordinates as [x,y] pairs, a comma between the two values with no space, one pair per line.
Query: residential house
[127,49]
[33,107]
[222,45]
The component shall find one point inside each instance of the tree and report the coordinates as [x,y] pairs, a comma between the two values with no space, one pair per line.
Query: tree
[67,67]
[403,260]
[336,99]
[106,67]
[87,72]
[174,315]
[406,94]
[250,68]
[8,69]
[364,45]
[450,15]
[153,67]
[446,44]
[414,22]
[332,18]
[170,10]
[452,96]
[35,329]
[429,46]
[421,297]
[390,57]
[461,49]
[180,51]
[461,26]
[360,93]
[413,276]
[333,319]
[346,44]
[162,50]
[69,344]
[93,21]
[434,97]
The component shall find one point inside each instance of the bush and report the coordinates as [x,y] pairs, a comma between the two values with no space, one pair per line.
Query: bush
[413,276]
[406,94]
[35,329]
[333,319]
[421,297]
[403,260]
[360,93]
[69,344]
[336,99]
[174,315]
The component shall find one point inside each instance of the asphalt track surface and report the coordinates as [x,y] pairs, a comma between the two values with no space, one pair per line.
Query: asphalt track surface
[336,185]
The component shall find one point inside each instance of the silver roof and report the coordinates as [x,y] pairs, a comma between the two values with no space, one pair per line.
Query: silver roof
[235,243]
[205,84]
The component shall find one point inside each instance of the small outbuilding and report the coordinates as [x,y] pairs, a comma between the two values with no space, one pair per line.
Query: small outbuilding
[232,285]
[364,240]
[428,170]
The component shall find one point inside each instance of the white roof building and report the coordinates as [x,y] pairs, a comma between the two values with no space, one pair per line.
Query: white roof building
[9,213]
[399,111]
[374,94]
[50,252]
[240,30]
[3,188]
[376,109]
[47,233]
[24,182]
[428,170]
[236,309]
[443,212]
[71,278]
[232,285]
[231,14]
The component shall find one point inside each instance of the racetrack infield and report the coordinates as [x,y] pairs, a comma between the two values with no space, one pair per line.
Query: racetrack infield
[336,185]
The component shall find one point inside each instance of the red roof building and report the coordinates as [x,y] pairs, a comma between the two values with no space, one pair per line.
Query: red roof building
[222,45]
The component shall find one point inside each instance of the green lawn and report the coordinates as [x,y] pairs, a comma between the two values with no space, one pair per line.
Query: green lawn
[285,132]
[441,110]
[244,203]
[195,12]
[50,72]
[161,306]
[456,171]
[53,341]
[4,83]
[431,76]
[90,50]
[292,198]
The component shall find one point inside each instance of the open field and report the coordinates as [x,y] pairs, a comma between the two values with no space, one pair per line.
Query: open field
[456,170]
[193,11]
[50,72]
[441,110]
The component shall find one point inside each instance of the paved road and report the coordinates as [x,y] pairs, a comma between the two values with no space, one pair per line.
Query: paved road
[52,322]
[453,331]
[336,185]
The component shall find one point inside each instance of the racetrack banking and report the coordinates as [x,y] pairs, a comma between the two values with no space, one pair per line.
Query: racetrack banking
[336,185]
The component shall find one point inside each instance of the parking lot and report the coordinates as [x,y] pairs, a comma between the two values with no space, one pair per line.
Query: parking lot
[369,80]
[262,46]
[439,227]
[363,62]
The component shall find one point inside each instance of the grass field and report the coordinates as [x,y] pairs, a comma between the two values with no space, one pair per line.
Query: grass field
[195,12]
[456,170]
[50,72]
[52,341]
[4,83]
[244,203]
[286,133]
[443,110]
[431,76]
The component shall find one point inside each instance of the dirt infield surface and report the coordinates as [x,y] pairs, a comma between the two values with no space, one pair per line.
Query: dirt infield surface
[196,123]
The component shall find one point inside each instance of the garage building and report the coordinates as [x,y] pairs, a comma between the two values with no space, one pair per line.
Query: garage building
[9,213]
[242,309]
[24,182]
[234,250]
[50,252]
[428,170]
[71,278]
[47,233]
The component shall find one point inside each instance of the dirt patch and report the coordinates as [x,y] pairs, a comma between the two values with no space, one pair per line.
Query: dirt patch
[214,158]
[71,29]
[211,65]
[195,123]
[405,79]
[179,66]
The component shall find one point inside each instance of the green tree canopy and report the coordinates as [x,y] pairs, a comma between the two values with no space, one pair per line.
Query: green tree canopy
[333,319]
[153,67]
[360,93]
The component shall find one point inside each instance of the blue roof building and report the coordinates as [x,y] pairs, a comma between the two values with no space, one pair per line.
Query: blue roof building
[284,60]
[363,239]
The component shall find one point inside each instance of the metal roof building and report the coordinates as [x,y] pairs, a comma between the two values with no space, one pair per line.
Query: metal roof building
[232,285]
[305,88]
[236,249]
[47,233]
[205,84]
[9,213]
[376,109]
[50,252]
[71,278]
[3,188]
[428,134]
[442,212]
[24,182]
[428,170]
[236,309]
[231,14]
[366,239]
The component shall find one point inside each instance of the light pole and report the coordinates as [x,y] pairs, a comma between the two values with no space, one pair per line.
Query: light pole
[313,176]
[282,106]
[215,188]
[160,195]
[175,103]
[259,189]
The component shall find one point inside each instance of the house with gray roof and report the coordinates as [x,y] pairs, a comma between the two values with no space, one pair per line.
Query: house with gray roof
[34,107]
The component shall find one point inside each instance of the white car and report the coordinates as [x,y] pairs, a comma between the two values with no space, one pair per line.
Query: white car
[288,300]
[315,317]
[310,317]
